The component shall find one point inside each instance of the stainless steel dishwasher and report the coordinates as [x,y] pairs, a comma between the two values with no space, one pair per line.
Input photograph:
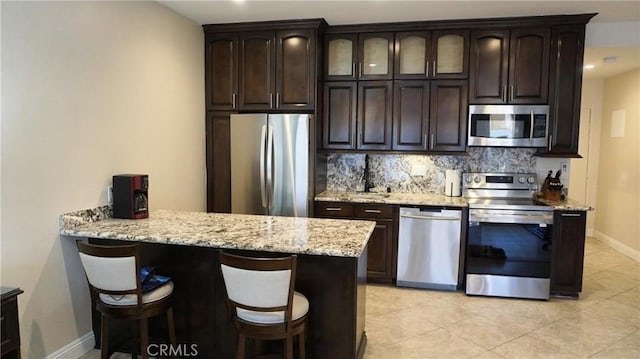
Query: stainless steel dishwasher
[429,248]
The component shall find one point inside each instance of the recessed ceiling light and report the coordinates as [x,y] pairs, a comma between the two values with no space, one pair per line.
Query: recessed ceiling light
[588,67]
[609,59]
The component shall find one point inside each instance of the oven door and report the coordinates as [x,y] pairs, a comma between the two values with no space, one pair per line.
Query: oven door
[509,253]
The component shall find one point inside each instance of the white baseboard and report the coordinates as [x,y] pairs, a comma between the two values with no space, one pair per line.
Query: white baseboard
[76,348]
[619,246]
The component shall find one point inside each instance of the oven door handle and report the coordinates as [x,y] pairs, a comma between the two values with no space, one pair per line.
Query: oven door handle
[509,218]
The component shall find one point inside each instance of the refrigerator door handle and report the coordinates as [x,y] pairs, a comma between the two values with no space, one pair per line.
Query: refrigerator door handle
[270,181]
[263,190]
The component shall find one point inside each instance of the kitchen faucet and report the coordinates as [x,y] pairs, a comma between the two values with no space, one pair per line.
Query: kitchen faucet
[367,181]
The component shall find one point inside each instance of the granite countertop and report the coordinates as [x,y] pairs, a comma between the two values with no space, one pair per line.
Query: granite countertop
[331,237]
[425,199]
[566,205]
[429,199]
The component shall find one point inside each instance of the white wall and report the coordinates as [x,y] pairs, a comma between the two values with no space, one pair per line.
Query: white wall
[89,89]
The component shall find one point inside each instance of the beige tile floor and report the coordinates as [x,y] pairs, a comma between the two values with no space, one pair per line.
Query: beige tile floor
[603,323]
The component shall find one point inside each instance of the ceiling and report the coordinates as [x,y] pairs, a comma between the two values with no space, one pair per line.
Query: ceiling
[374,11]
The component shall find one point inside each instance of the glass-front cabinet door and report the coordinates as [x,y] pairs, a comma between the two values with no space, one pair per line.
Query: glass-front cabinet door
[450,54]
[376,56]
[341,56]
[412,58]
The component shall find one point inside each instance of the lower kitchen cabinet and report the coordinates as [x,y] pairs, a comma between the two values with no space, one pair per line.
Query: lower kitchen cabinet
[382,249]
[568,252]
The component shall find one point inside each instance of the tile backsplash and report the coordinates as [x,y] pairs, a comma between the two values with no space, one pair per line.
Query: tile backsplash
[425,173]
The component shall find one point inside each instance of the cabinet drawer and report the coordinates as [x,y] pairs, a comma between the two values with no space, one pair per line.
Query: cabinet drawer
[373,211]
[333,209]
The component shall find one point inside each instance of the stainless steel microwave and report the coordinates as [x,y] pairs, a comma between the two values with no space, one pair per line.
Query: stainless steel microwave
[508,125]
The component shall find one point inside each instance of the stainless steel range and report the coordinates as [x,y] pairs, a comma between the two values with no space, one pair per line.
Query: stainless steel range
[509,237]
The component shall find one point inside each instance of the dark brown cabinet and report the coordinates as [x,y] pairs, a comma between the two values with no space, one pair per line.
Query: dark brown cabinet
[430,115]
[10,331]
[277,70]
[366,56]
[374,115]
[411,115]
[567,252]
[340,111]
[218,159]
[221,72]
[565,90]
[357,115]
[509,66]
[422,55]
[448,115]
[382,246]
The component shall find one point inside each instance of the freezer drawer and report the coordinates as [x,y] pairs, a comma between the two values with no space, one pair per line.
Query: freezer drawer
[429,248]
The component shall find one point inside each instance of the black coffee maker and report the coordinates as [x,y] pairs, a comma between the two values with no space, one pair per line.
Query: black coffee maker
[130,196]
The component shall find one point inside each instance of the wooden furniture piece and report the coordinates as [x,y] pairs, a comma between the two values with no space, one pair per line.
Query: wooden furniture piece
[113,272]
[510,66]
[382,249]
[565,90]
[10,331]
[567,252]
[262,301]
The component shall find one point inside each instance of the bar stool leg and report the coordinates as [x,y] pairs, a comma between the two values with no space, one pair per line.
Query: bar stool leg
[288,354]
[241,344]
[144,337]
[301,345]
[104,338]
[172,330]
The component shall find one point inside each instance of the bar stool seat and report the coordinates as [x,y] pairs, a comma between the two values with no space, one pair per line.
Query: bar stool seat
[262,301]
[113,272]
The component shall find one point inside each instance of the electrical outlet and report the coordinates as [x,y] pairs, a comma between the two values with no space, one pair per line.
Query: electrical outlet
[109,194]
[564,167]
[419,170]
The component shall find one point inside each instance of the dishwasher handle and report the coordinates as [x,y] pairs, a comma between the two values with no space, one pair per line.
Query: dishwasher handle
[431,218]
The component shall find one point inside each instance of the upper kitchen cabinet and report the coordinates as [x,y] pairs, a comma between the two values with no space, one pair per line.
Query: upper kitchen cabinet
[448,116]
[425,55]
[357,115]
[565,90]
[265,66]
[221,71]
[365,56]
[510,66]
[277,70]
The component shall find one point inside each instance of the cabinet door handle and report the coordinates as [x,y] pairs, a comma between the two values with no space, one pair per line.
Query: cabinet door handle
[510,93]
[333,209]
[361,138]
[353,70]
[504,94]
[570,214]
[353,140]
[233,101]
[549,145]
[425,141]
[431,143]
[433,68]
[427,70]
[277,99]
[270,100]
[361,73]
[372,211]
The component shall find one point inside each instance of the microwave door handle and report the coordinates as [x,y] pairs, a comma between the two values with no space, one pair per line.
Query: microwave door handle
[531,129]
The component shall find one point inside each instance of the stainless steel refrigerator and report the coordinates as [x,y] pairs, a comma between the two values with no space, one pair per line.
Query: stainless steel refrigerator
[271,164]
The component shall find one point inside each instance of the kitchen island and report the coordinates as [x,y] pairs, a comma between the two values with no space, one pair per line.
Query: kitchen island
[332,259]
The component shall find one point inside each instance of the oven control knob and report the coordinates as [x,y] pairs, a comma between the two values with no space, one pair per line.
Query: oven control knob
[531,180]
[468,179]
[521,179]
[476,179]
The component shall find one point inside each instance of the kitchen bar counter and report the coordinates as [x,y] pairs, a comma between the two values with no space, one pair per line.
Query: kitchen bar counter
[298,235]
[331,272]
[422,199]
[429,199]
